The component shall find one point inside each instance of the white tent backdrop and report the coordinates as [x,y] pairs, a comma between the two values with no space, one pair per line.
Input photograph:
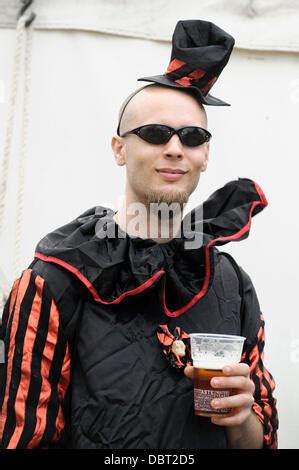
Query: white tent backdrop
[85,58]
[256,24]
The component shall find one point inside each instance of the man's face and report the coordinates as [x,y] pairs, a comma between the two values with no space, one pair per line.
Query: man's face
[144,183]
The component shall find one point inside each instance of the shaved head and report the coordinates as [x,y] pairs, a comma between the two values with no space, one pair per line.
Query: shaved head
[132,105]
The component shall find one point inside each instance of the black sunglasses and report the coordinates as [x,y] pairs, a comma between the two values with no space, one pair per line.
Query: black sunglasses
[158,134]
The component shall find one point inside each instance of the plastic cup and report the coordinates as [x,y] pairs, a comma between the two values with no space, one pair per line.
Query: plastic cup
[210,353]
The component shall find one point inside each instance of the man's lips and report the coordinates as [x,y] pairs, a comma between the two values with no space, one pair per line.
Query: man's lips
[170,174]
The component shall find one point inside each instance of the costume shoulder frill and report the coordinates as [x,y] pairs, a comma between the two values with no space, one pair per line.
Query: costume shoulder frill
[115,266]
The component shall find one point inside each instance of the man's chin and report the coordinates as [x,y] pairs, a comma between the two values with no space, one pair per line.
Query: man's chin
[167,197]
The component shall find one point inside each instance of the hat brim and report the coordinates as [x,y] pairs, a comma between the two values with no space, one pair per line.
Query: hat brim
[205,99]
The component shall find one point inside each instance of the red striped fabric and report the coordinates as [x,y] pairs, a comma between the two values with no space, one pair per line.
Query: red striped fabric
[30,336]
[265,404]
[22,286]
[31,340]
[174,65]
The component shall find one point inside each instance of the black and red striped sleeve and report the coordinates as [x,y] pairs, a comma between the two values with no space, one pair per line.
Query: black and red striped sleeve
[36,373]
[264,402]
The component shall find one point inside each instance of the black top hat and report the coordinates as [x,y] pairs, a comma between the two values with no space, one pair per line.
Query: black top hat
[200,51]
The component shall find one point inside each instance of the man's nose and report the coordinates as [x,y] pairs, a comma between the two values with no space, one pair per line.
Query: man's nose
[174,147]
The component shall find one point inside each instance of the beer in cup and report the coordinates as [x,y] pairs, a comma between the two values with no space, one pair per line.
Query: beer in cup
[210,353]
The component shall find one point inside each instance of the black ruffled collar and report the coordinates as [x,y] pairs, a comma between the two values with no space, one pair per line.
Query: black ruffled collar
[117,268]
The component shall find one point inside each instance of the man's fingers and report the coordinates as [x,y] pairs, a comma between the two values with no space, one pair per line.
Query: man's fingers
[239,383]
[243,400]
[236,369]
[189,372]
[235,420]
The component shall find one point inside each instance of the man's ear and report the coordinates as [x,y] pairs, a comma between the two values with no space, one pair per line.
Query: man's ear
[206,157]
[118,147]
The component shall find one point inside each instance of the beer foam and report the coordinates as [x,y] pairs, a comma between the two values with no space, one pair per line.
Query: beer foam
[209,364]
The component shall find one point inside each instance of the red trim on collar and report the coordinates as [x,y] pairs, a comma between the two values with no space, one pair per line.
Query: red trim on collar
[88,284]
[237,235]
[261,194]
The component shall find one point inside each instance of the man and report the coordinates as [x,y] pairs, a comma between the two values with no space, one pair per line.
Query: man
[85,363]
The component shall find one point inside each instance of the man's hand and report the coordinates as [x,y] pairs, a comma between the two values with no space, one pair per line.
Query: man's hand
[237,377]
[243,427]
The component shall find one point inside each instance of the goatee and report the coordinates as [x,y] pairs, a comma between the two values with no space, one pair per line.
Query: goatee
[168,197]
